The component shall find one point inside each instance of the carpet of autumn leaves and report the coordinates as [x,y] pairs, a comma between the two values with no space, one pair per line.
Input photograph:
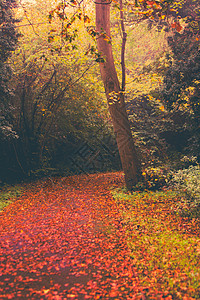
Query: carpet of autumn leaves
[67,238]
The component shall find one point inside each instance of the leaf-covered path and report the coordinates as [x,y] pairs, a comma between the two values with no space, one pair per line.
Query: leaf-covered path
[63,240]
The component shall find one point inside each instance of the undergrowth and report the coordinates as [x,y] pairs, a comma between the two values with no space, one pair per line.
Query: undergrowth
[187,182]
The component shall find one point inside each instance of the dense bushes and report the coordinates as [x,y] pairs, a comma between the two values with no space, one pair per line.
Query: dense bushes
[148,122]
[52,118]
[186,182]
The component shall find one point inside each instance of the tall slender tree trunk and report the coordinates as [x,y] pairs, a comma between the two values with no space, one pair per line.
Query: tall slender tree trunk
[115,97]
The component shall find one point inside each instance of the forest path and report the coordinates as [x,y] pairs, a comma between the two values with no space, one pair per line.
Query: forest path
[62,239]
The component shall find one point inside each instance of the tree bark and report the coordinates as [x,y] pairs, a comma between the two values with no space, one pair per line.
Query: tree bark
[115,97]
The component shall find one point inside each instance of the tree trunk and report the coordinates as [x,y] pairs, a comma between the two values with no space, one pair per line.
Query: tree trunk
[115,97]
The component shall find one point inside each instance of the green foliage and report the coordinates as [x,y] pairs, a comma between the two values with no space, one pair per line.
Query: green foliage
[187,183]
[181,81]
[185,64]
[148,120]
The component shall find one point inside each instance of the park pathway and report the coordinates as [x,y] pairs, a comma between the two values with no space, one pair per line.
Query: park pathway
[63,239]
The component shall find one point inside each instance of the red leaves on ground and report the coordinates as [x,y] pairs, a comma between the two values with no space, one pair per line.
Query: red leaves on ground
[63,240]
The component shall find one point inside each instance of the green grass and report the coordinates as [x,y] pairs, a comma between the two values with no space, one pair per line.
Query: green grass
[8,194]
[164,246]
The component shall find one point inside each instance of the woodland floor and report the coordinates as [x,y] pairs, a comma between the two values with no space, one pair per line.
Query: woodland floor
[66,239]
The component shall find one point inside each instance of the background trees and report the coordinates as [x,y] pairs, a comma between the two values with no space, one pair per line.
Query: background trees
[182,82]
[58,98]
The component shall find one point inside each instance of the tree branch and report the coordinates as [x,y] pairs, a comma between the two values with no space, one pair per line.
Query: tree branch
[124,36]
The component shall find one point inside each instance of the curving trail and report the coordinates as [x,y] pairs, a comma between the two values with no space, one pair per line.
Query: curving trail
[63,240]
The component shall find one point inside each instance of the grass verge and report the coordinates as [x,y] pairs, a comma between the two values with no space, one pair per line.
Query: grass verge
[8,193]
[164,246]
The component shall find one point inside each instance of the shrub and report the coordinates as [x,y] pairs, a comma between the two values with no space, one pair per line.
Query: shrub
[187,183]
[153,178]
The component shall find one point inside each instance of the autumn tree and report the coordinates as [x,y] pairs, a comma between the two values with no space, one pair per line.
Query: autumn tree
[113,90]
[115,93]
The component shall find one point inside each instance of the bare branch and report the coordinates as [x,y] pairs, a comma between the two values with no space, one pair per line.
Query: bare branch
[25,13]
[31,24]
[124,36]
